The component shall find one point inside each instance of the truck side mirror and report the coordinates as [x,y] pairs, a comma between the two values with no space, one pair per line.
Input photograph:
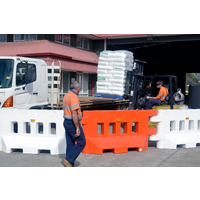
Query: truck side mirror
[28,73]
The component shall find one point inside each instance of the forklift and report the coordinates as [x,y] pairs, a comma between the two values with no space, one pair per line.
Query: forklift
[138,86]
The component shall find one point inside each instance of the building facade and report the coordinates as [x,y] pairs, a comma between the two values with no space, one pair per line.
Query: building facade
[174,54]
[74,52]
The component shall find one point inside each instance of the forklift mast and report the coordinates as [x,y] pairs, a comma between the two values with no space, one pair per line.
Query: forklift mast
[132,83]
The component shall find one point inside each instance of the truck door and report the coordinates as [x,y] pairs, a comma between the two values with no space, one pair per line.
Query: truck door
[25,92]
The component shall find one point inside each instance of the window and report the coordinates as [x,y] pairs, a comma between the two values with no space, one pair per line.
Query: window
[58,38]
[3,37]
[82,43]
[25,37]
[68,78]
[31,37]
[21,74]
[32,73]
[86,44]
[79,42]
[19,37]
[83,80]
[6,73]
[66,39]
[63,38]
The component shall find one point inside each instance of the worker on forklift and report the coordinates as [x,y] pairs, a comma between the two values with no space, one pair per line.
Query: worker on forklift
[160,98]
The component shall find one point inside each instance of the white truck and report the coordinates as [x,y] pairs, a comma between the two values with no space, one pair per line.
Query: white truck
[28,83]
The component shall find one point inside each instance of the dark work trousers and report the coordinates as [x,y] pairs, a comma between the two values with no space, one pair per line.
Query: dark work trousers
[73,150]
[152,102]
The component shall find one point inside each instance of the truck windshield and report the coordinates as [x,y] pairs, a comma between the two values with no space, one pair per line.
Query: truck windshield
[6,72]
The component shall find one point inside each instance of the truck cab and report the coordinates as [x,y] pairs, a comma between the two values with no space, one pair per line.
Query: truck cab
[23,82]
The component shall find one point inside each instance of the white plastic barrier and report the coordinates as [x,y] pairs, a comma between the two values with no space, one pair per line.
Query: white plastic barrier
[177,127]
[32,131]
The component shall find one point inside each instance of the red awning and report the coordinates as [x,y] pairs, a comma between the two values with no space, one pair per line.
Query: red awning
[71,58]
[71,65]
[113,36]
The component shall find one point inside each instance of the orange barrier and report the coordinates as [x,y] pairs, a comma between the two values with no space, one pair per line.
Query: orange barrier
[120,139]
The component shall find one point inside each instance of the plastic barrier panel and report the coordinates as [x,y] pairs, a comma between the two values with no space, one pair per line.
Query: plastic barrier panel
[117,130]
[177,127]
[32,131]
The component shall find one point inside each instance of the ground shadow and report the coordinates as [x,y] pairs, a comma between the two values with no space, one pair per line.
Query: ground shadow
[152,143]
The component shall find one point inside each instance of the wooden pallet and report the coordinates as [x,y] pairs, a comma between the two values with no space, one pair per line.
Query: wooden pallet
[99,102]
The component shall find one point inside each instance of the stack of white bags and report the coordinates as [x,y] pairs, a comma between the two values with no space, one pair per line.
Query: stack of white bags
[112,70]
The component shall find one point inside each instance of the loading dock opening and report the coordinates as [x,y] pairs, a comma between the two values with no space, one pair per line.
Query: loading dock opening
[176,56]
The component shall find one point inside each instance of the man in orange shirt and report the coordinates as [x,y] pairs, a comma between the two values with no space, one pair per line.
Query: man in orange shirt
[73,129]
[153,101]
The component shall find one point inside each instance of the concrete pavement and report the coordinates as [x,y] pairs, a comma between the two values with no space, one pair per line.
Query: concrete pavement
[153,157]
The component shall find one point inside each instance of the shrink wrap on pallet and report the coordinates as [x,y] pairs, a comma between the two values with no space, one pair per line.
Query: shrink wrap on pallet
[112,68]
[106,67]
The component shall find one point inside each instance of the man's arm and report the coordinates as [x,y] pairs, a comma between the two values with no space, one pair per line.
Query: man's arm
[76,123]
[148,97]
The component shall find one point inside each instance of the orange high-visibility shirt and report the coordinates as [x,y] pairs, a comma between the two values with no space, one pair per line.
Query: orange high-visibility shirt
[71,103]
[162,93]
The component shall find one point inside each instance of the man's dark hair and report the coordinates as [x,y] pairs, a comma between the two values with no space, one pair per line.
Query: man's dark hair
[160,82]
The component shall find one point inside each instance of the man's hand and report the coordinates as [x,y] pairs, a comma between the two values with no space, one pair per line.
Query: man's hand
[76,123]
[78,132]
[147,97]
